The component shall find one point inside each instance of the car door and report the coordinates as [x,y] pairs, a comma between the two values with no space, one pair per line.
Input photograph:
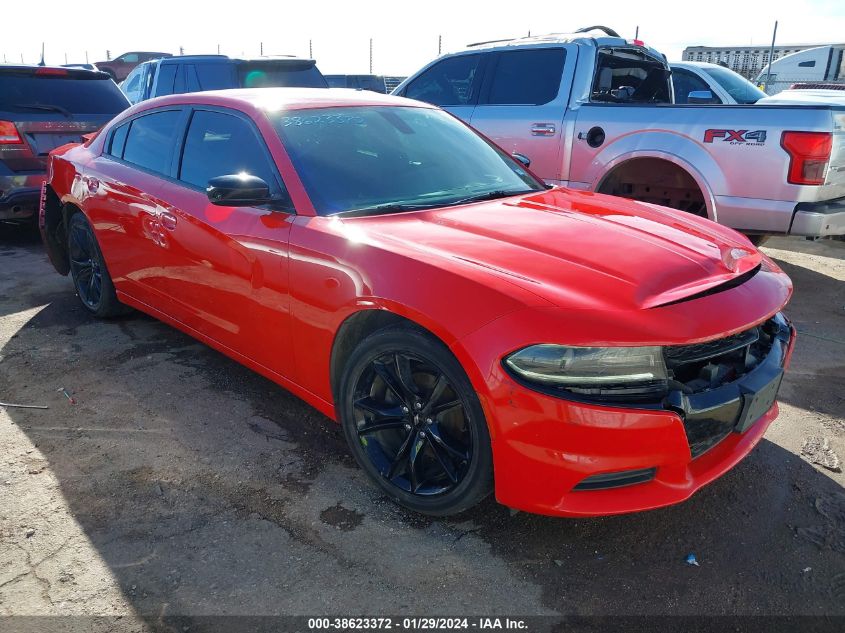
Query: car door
[522,104]
[122,184]
[227,267]
[452,84]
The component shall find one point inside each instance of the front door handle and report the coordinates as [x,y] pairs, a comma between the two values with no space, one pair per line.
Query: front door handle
[543,129]
[168,220]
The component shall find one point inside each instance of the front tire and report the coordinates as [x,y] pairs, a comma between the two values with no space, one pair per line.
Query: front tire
[414,422]
[89,272]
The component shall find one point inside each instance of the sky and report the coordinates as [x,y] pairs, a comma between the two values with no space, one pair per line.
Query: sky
[404,33]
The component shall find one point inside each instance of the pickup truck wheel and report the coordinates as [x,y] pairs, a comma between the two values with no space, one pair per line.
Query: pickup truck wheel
[89,272]
[414,422]
[655,181]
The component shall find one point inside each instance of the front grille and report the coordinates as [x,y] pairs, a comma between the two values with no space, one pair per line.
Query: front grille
[705,374]
[705,366]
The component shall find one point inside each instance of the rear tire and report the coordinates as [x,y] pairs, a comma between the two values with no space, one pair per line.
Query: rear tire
[89,272]
[414,422]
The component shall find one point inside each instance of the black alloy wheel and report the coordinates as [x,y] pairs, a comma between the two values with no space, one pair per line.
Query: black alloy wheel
[88,270]
[414,423]
[85,265]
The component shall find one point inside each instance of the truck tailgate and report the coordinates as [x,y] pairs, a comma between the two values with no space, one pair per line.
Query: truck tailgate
[834,186]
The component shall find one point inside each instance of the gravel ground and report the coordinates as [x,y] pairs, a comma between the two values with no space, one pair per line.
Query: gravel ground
[180,483]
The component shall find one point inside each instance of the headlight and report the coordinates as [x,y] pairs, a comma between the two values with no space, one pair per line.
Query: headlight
[593,371]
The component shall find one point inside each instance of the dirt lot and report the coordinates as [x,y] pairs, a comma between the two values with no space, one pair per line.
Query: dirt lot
[180,483]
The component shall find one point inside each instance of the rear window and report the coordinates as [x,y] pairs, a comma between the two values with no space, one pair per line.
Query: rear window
[336,81]
[150,141]
[31,93]
[285,74]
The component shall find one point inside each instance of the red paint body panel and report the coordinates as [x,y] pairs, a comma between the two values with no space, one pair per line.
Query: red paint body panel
[271,290]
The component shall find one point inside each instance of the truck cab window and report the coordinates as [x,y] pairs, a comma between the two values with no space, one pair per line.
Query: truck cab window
[451,82]
[529,77]
[630,76]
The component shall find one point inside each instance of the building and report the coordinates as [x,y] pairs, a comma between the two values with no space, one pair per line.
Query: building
[748,61]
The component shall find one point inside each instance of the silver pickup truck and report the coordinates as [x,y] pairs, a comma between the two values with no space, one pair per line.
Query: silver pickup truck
[594,111]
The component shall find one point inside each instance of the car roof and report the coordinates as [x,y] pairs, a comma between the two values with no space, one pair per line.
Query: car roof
[272,99]
[69,72]
[178,59]
[681,64]
[593,37]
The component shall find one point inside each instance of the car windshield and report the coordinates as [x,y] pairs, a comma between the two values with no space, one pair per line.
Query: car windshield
[737,86]
[394,158]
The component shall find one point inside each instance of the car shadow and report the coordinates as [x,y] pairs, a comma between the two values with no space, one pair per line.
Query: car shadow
[19,243]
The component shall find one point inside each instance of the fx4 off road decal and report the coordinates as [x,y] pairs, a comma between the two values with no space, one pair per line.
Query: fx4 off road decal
[736,137]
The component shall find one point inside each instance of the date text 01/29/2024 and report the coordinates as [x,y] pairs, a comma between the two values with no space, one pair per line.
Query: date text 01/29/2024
[385,623]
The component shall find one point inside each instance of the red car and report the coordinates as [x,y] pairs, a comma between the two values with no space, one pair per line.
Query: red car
[471,329]
[119,67]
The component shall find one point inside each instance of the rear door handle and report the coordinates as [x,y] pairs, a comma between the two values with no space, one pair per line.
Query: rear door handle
[168,220]
[543,129]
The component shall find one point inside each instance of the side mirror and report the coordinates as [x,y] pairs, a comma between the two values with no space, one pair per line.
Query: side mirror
[238,190]
[700,96]
[522,158]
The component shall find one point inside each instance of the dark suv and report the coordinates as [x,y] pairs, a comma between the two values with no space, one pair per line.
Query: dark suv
[196,73]
[375,83]
[121,66]
[42,108]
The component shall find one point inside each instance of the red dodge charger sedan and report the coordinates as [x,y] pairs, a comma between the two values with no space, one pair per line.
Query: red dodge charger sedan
[471,329]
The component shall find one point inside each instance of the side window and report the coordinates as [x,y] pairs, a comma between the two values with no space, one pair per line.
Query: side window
[530,77]
[118,140]
[130,58]
[150,141]
[132,85]
[453,81]
[685,82]
[623,77]
[179,82]
[192,82]
[220,144]
[214,76]
[166,78]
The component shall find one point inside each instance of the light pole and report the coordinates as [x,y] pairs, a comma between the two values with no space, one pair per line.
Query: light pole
[771,54]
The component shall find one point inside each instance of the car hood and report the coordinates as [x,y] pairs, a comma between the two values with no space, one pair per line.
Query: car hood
[576,249]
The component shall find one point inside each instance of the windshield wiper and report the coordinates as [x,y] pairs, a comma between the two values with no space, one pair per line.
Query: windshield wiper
[386,208]
[489,195]
[44,106]
[397,207]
